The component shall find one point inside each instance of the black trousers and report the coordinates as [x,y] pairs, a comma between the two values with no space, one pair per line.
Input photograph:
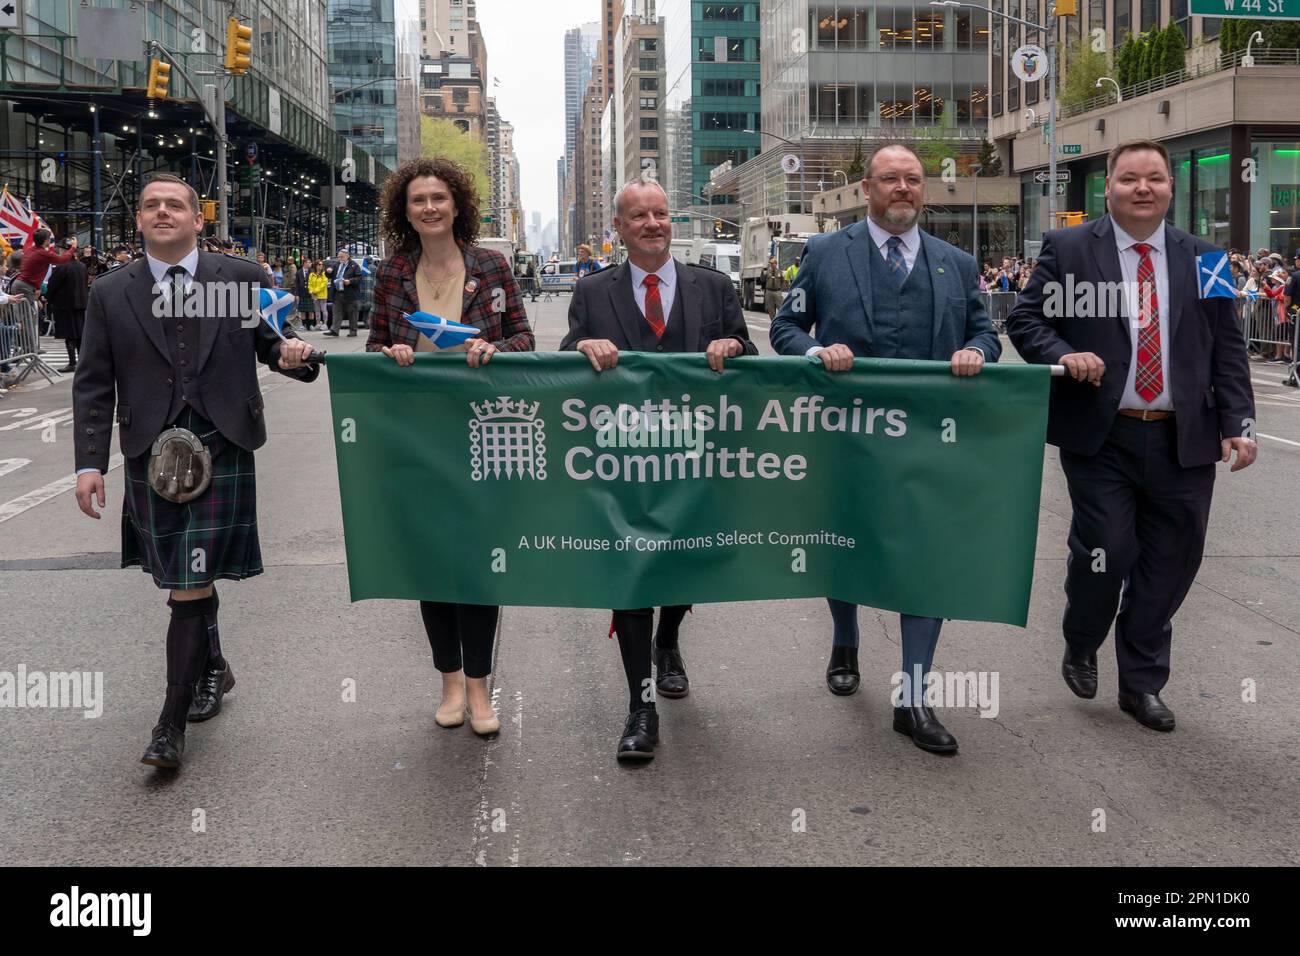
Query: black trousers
[1139,527]
[460,636]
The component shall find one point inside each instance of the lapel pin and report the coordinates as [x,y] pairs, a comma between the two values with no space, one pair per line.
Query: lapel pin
[470,286]
[941,270]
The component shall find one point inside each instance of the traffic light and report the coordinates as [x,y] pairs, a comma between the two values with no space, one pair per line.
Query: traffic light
[239,47]
[209,209]
[160,77]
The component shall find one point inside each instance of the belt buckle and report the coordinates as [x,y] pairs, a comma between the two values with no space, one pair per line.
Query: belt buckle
[1145,412]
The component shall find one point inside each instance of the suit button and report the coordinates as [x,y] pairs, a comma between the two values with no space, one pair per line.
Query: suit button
[90,431]
[1114,401]
[94,413]
[186,381]
[91,449]
[169,383]
[659,348]
[180,345]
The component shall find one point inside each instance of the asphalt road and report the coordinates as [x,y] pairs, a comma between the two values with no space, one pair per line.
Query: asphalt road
[759,765]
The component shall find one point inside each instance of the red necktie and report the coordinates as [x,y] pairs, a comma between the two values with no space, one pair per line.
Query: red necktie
[1149,380]
[654,306]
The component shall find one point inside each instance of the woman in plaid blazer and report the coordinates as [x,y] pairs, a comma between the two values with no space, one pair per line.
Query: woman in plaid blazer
[429,216]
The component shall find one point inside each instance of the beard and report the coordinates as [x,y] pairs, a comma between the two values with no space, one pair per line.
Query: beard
[897,215]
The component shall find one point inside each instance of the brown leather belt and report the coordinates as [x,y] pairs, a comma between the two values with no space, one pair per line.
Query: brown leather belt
[1146,414]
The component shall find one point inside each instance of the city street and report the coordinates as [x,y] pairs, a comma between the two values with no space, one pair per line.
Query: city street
[759,765]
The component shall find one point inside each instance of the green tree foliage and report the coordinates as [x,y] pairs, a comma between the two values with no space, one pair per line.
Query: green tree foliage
[936,143]
[989,159]
[1126,58]
[1175,50]
[1278,34]
[854,172]
[1083,67]
[440,137]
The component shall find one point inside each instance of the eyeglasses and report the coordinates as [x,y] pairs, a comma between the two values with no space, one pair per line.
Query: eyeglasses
[913,182]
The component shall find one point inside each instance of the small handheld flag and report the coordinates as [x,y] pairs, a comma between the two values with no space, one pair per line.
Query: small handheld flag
[275,306]
[439,331]
[365,266]
[1215,276]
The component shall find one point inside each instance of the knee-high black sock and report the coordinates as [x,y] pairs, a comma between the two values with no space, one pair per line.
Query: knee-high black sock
[634,629]
[670,619]
[71,345]
[214,638]
[187,651]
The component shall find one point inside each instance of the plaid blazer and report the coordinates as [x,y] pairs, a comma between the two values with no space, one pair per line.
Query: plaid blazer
[486,272]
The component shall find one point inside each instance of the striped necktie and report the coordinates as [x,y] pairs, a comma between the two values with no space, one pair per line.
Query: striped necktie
[1148,380]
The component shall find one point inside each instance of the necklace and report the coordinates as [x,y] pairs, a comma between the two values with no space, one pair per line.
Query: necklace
[435,280]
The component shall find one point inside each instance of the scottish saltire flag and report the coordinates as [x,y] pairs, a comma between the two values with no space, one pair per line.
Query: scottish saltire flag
[439,331]
[275,306]
[365,266]
[1215,276]
[1252,293]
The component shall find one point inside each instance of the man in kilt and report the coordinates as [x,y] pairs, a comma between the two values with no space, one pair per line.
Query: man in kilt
[173,339]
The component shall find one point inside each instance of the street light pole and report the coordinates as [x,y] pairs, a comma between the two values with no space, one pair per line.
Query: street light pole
[1051,86]
[975,212]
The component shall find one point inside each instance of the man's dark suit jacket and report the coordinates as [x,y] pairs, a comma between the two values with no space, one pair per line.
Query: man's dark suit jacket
[1208,368]
[124,351]
[604,307]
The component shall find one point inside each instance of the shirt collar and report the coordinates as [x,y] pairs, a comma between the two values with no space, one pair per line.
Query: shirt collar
[159,268]
[1124,241]
[911,239]
[667,273]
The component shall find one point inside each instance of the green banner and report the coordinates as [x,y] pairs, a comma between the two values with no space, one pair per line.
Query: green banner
[537,481]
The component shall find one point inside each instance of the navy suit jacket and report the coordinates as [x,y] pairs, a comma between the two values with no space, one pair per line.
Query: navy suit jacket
[835,279]
[1208,368]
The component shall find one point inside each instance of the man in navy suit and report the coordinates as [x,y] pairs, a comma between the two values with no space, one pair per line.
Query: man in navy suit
[1158,391]
[882,288]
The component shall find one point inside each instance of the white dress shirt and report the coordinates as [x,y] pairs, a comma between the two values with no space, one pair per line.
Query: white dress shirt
[911,243]
[667,274]
[1128,264]
[158,269]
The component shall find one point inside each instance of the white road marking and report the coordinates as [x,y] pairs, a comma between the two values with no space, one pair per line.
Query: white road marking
[8,465]
[1285,441]
[12,509]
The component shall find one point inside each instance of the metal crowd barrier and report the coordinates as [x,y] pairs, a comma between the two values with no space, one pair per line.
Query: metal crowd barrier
[20,342]
[998,305]
[1260,325]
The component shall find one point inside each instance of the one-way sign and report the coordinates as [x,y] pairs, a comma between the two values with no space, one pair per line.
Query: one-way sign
[8,14]
[1043,177]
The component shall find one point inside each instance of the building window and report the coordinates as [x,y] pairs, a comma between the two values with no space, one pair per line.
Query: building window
[459,95]
[649,102]
[649,142]
[649,83]
[649,122]
[723,11]
[648,45]
[1123,21]
[1150,15]
[651,64]
[995,52]
[1178,15]
[1210,27]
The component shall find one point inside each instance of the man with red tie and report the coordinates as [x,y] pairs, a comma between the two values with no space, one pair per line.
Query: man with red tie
[652,303]
[1158,390]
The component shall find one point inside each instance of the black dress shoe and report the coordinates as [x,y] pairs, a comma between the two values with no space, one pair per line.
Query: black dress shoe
[212,686]
[670,673]
[842,671]
[70,367]
[640,734]
[1148,709]
[335,334]
[924,728]
[1080,673]
[166,748]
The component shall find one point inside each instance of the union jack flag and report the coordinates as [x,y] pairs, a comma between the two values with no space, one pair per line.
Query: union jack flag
[17,221]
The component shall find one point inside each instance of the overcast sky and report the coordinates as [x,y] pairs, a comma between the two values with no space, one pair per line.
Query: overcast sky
[525,47]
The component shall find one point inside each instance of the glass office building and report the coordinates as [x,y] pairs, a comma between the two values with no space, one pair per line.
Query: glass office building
[711,93]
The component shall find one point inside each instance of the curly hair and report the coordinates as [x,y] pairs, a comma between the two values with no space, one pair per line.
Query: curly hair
[397,229]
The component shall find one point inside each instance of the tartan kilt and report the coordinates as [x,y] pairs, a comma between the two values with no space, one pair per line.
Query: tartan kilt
[161,536]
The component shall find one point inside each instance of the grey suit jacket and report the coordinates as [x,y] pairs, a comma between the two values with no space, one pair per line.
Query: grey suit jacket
[125,361]
[604,307]
[832,292]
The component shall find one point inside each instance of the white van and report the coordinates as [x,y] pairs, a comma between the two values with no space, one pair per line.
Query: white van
[686,250]
[723,256]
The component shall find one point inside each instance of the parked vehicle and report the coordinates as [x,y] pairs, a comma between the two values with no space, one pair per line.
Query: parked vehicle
[558,276]
[725,257]
[763,237]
